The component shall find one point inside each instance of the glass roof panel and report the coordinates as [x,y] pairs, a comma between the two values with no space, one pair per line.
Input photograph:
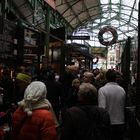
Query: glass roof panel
[121,14]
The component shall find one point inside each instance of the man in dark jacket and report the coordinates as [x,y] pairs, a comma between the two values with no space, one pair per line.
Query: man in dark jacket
[80,120]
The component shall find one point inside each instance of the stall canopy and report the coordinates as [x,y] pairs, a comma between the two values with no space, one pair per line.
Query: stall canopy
[81,49]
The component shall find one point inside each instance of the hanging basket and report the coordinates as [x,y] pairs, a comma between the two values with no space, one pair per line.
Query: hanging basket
[107,29]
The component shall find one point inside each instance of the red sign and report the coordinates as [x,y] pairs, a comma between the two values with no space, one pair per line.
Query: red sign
[51,3]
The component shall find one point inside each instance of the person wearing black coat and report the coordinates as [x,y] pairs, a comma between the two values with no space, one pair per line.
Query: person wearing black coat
[78,119]
[54,93]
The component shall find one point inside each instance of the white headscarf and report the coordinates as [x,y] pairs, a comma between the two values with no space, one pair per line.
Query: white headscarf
[35,97]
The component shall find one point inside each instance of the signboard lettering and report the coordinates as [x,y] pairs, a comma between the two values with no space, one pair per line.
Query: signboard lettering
[78,37]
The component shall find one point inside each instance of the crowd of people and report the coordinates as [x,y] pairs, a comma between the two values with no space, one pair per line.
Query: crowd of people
[64,107]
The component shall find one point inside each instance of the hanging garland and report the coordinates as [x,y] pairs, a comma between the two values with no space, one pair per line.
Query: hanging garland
[107,29]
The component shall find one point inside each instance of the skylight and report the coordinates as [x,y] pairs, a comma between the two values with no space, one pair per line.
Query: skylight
[121,14]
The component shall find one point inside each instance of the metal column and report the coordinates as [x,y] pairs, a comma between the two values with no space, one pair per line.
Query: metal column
[2,17]
[138,72]
[47,38]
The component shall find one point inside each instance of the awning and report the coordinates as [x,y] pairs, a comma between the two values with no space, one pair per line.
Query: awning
[82,49]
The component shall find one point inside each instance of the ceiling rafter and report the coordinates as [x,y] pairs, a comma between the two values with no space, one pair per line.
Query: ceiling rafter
[68,6]
[76,16]
[87,19]
[86,9]
[90,14]
[117,16]
[132,11]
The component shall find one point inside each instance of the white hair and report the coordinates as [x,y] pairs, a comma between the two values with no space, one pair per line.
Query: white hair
[87,92]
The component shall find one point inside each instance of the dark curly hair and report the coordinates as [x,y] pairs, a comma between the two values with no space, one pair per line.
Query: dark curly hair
[111,75]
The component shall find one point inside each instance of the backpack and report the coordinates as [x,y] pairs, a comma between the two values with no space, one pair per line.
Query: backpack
[98,123]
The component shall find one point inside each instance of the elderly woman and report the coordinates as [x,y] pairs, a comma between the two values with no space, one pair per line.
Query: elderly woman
[81,121]
[33,120]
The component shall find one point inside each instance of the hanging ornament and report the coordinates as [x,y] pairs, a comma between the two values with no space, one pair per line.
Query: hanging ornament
[112,31]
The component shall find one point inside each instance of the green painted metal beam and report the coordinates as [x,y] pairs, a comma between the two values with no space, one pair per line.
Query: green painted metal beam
[132,11]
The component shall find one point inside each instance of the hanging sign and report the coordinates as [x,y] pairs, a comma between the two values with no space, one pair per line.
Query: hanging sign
[78,37]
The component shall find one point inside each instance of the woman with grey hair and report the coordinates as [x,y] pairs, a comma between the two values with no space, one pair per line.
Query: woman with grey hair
[87,94]
[86,121]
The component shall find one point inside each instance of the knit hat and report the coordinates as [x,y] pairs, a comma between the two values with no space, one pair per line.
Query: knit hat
[35,97]
[24,77]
